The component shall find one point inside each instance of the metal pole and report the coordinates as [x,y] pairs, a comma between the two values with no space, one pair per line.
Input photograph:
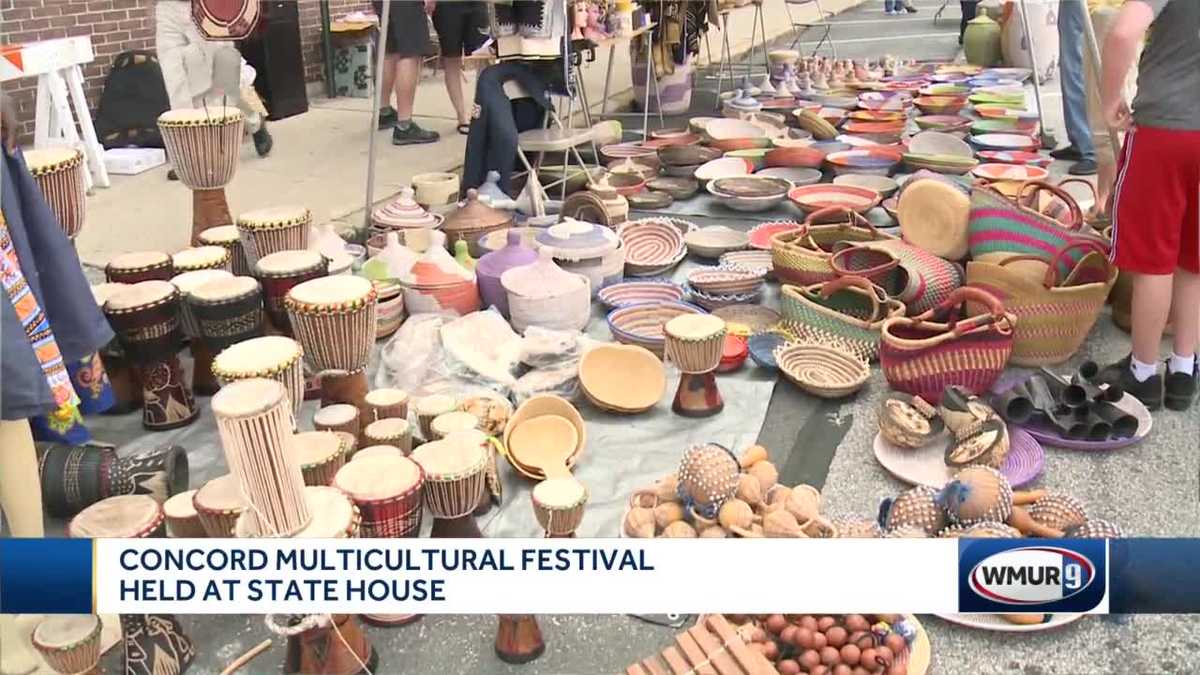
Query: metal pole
[1047,138]
[327,45]
[1089,30]
[377,101]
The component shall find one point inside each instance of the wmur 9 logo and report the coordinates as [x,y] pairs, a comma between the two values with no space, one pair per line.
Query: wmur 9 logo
[1007,575]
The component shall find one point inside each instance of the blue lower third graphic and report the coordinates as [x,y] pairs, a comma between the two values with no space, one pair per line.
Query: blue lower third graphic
[46,576]
[1024,575]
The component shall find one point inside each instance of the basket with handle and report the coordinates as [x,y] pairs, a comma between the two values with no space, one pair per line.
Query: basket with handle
[912,275]
[1000,224]
[1054,315]
[801,256]
[846,312]
[924,354]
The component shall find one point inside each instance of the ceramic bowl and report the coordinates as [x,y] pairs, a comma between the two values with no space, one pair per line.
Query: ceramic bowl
[892,116]
[1013,172]
[712,241]
[881,184]
[863,161]
[761,234]
[755,156]
[686,155]
[628,293]
[652,246]
[720,281]
[940,105]
[795,157]
[678,188]
[823,195]
[939,143]
[796,175]
[724,167]
[626,183]
[726,145]
[880,132]
[733,353]
[642,324]
[751,260]
[622,378]
[727,128]
[539,406]
[998,112]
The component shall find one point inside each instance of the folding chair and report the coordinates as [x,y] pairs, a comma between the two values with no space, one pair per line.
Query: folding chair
[555,136]
[821,23]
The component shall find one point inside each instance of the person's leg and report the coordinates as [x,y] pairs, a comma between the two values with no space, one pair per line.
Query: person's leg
[454,86]
[969,8]
[1070,67]
[388,83]
[1182,368]
[408,73]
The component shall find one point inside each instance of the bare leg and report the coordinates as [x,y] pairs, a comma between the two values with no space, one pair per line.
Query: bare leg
[454,81]
[1151,305]
[1187,312]
[408,71]
[389,80]
[1106,177]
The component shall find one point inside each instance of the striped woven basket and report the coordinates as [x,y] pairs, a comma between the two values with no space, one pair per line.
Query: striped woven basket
[923,355]
[846,313]
[801,256]
[1053,316]
[912,275]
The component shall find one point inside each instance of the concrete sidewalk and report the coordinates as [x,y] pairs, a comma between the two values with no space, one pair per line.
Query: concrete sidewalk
[320,157]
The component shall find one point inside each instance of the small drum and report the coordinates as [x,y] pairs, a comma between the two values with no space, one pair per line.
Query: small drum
[378,451]
[131,268]
[255,422]
[227,237]
[279,272]
[70,643]
[558,505]
[59,173]
[145,317]
[349,442]
[386,403]
[274,357]
[219,502]
[320,454]
[203,382]
[429,407]
[275,229]
[123,517]
[455,480]
[201,258]
[126,384]
[227,311]
[495,489]
[387,491]
[337,417]
[447,423]
[182,519]
[694,342]
[204,144]
[334,317]
[393,431]
[335,516]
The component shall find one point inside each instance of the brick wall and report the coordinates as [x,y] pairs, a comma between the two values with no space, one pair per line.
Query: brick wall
[120,25]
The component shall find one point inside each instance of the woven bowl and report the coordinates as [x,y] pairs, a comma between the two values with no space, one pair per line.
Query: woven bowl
[712,301]
[643,324]
[652,246]
[747,319]
[822,371]
[718,281]
[753,261]
[677,187]
[761,234]
[714,240]
[822,195]
[629,293]
[863,161]
[686,155]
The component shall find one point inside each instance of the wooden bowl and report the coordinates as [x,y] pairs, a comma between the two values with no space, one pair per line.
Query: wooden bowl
[538,406]
[622,378]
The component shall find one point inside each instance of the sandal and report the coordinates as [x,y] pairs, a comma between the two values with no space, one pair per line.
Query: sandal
[464,129]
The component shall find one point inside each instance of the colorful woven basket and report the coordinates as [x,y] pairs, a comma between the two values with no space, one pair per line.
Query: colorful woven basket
[1001,224]
[910,274]
[801,256]
[1053,316]
[922,355]
[846,312]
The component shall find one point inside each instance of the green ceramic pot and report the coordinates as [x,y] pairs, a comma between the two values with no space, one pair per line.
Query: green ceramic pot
[981,42]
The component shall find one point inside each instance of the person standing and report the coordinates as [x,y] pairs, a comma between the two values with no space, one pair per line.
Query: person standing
[969,9]
[1104,13]
[461,26]
[898,7]
[1156,204]
[406,43]
[1071,15]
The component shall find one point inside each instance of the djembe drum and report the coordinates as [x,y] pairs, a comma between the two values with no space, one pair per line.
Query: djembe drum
[320,455]
[228,238]
[59,173]
[334,516]
[385,403]
[694,343]
[279,273]
[334,318]
[203,381]
[393,431]
[132,268]
[491,445]
[75,477]
[203,145]
[219,503]
[272,230]
[273,357]
[200,258]
[155,644]
[125,516]
[429,408]
[455,481]
[558,505]
[377,451]
[330,644]
[227,311]
[126,384]
[145,317]
[387,491]
[338,417]
[255,422]
[182,519]
[70,643]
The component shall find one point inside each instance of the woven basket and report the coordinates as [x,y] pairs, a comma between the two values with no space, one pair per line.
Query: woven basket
[912,275]
[642,324]
[802,256]
[1053,317]
[922,355]
[822,371]
[846,312]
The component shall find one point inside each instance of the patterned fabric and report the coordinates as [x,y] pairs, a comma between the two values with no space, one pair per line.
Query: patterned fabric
[65,423]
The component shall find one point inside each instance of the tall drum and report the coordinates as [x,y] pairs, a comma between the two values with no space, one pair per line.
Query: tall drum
[694,343]
[279,272]
[334,318]
[227,311]
[203,144]
[126,384]
[145,317]
[255,423]
[59,173]
[275,229]
[203,382]
[334,516]
[273,357]
[227,237]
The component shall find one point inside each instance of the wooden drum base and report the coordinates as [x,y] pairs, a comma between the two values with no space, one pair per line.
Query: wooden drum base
[456,528]
[320,650]
[390,620]
[344,387]
[209,209]
[519,638]
[698,395]
[167,400]
[204,383]
[126,385]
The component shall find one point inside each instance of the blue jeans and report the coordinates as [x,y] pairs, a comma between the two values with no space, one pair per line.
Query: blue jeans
[892,5]
[1070,68]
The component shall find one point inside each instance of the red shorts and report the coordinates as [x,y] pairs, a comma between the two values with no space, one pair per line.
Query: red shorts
[1156,202]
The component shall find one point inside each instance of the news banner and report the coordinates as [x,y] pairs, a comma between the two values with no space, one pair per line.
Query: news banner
[596,576]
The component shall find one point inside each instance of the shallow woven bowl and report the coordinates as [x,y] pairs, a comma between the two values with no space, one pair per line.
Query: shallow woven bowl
[747,318]
[642,324]
[651,246]
[946,123]
[711,242]
[796,175]
[940,105]
[822,371]
[753,260]
[686,155]
[677,187]
[718,281]
[629,293]
[822,195]
[795,157]
[713,302]
[761,234]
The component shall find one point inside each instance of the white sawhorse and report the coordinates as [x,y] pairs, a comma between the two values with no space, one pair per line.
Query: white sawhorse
[56,64]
